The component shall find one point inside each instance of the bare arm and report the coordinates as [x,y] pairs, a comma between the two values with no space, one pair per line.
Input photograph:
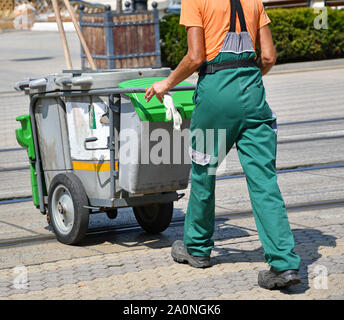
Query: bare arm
[267,50]
[189,64]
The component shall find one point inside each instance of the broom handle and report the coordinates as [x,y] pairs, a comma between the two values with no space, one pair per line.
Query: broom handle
[62,34]
[81,37]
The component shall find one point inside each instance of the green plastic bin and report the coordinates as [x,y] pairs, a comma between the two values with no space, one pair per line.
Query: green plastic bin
[154,110]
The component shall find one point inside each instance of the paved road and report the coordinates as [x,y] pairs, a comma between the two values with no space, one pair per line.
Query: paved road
[25,54]
[124,264]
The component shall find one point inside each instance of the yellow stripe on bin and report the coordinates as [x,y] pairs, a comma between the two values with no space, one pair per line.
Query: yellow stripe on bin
[93,166]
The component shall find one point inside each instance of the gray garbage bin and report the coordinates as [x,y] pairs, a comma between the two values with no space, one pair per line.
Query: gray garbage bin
[77,118]
[157,159]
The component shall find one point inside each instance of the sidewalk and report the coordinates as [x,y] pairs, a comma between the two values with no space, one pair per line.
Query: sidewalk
[308,66]
[136,266]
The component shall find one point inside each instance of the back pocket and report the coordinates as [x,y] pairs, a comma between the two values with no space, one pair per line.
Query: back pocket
[257,99]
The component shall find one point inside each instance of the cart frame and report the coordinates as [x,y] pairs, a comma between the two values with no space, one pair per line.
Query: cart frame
[114,98]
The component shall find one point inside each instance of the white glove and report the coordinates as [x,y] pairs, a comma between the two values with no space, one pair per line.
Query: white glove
[171,111]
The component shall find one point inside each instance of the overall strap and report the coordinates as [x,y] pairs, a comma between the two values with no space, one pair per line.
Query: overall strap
[235,43]
[237,8]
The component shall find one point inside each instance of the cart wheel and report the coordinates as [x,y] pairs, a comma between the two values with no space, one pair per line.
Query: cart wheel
[154,218]
[68,217]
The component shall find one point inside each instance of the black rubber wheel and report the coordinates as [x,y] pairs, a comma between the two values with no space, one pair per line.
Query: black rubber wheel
[154,218]
[67,214]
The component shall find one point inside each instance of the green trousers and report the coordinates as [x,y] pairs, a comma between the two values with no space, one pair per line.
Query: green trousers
[231,108]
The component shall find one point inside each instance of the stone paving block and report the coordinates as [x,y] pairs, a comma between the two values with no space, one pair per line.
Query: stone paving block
[112,271]
[82,268]
[90,277]
[35,276]
[100,272]
[226,290]
[336,297]
[66,273]
[108,298]
[5,283]
[190,296]
[37,288]
[51,278]
[157,295]
[175,296]
[239,282]
[210,291]
[131,269]
[52,284]
[123,296]
[69,281]
[4,292]
[66,276]
[222,286]
[141,297]
[33,283]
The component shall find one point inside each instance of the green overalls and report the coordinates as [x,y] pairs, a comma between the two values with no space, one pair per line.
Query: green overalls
[231,108]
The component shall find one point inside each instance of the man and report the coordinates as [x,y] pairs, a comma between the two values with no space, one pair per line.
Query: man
[230,98]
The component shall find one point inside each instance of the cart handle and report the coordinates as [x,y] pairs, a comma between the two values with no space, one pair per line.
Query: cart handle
[105,92]
[92,139]
[21,85]
[141,90]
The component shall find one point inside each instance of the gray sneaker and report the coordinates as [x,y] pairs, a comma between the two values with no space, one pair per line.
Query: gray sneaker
[272,279]
[180,255]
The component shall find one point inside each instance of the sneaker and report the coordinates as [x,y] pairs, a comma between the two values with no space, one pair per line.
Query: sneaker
[272,279]
[180,255]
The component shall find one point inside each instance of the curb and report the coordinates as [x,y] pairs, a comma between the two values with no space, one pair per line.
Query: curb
[307,66]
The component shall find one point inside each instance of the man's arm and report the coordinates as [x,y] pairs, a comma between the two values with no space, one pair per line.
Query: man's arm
[189,64]
[267,49]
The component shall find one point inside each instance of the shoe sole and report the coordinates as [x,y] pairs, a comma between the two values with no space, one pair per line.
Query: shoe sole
[185,260]
[280,284]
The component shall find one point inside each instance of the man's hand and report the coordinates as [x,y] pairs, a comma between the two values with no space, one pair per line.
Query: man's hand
[190,63]
[159,89]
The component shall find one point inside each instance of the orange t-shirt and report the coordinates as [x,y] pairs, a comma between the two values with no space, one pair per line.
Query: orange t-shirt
[214,17]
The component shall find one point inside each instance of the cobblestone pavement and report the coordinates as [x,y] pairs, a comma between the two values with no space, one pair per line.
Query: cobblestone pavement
[138,266]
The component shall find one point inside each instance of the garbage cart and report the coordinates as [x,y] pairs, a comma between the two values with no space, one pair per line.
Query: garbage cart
[95,145]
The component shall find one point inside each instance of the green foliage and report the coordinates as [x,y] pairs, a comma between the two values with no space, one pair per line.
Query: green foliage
[173,40]
[293,31]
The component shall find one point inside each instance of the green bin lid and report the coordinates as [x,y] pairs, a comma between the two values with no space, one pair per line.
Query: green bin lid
[154,110]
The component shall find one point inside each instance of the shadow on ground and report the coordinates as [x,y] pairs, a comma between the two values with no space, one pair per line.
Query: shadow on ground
[307,243]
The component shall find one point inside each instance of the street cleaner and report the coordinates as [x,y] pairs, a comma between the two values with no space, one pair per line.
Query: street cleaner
[230,98]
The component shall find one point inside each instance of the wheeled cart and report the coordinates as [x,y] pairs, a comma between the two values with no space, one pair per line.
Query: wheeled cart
[95,145]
